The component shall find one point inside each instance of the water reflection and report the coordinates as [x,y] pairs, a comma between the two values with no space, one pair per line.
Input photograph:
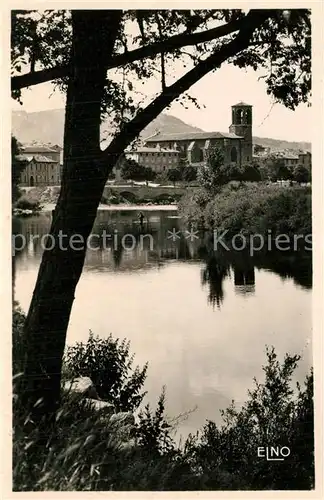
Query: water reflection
[213,275]
[122,245]
[201,318]
[240,266]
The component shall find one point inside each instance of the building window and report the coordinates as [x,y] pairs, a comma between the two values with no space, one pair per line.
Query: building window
[197,155]
[248,116]
[239,116]
[234,155]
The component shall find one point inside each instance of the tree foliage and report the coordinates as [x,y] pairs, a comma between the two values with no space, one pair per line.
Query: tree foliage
[273,168]
[254,209]
[250,173]
[149,42]
[132,170]
[215,174]
[174,175]
[188,172]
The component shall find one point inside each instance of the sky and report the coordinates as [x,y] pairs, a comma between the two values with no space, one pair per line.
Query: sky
[217,92]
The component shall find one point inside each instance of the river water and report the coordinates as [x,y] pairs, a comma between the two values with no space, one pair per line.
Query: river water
[201,321]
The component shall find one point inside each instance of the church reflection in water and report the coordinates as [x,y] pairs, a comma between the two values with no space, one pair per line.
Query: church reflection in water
[244,280]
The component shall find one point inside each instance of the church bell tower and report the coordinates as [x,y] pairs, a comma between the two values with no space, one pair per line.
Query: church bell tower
[242,126]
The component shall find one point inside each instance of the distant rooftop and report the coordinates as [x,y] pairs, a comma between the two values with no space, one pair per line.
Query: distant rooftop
[37,158]
[40,148]
[241,104]
[287,156]
[152,150]
[192,136]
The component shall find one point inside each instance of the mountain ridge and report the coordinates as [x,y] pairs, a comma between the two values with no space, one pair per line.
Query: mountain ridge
[48,126]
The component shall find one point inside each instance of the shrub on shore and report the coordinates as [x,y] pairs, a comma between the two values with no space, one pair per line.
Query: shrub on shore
[109,365]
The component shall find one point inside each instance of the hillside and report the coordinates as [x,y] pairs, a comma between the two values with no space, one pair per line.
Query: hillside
[276,144]
[47,127]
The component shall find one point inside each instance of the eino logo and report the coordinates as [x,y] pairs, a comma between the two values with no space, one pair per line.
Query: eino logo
[273,453]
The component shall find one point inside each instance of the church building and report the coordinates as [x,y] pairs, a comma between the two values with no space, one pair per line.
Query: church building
[236,145]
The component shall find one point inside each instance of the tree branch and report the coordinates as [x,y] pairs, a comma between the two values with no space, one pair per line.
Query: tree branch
[174,42]
[163,84]
[132,129]
[45,75]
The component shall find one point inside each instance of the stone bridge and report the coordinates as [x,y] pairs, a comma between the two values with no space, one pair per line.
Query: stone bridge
[139,192]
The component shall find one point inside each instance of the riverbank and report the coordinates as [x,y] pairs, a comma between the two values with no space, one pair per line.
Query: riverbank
[250,208]
[140,198]
[48,207]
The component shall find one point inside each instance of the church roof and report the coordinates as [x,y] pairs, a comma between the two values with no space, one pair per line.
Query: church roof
[192,136]
[36,158]
[144,149]
[242,104]
[38,148]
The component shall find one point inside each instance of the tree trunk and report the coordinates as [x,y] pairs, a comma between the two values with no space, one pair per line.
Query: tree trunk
[84,178]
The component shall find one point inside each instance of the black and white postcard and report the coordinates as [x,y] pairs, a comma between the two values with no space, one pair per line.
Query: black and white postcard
[162,249]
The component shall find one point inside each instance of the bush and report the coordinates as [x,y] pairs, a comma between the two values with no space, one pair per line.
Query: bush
[109,365]
[164,199]
[252,207]
[153,430]
[162,178]
[128,196]
[302,174]
[273,415]
[25,204]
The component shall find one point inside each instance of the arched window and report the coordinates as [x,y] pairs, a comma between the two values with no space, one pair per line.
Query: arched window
[197,155]
[248,116]
[239,116]
[233,155]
